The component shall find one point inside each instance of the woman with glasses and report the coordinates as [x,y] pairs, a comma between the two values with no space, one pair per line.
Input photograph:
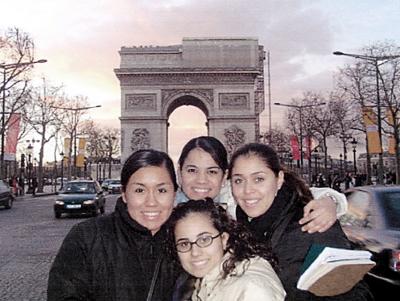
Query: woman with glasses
[224,261]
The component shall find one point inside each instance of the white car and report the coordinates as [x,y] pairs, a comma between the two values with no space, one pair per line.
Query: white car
[114,186]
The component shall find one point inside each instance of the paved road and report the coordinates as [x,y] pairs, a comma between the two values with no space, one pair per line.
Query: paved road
[29,239]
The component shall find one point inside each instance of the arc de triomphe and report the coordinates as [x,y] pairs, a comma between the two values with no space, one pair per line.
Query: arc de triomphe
[223,77]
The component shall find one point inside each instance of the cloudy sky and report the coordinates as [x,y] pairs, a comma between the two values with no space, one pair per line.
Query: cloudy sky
[81,39]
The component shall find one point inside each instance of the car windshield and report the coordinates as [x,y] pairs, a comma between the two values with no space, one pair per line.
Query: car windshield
[391,205]
[115,182]
[80,188]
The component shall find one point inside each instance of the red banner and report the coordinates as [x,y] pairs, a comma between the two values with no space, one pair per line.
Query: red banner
[294,142]
[12,136]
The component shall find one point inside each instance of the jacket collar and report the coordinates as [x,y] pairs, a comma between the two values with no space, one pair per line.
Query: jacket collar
[265,224]
[121,211]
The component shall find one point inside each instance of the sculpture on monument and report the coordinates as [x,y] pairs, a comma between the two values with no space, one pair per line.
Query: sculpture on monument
[140,139]
[235,137]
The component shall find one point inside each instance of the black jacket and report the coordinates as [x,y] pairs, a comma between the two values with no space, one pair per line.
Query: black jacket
[279,228]
[110,258]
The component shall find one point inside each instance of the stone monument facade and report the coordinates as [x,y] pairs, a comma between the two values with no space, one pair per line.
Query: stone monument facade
[223,77]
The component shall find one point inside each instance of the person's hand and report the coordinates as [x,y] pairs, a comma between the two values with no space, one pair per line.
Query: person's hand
[319,215]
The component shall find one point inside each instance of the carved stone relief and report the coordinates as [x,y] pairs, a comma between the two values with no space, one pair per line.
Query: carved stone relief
[234,101]
[141,102]
[235,137]
[140,139]
[185,79]
[168,94]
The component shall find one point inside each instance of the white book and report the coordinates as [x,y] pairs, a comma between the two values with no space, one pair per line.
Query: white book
[331,271]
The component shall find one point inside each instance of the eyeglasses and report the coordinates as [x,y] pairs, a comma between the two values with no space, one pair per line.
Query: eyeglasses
[202,242]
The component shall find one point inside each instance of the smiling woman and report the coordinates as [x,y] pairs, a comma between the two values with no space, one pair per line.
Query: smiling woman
[121,256]
[222,258]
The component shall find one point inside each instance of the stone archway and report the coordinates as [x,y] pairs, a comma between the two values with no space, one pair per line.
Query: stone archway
[221,77]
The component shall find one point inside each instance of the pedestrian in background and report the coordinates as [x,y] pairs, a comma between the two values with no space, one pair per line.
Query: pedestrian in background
[21,184]
[34,185]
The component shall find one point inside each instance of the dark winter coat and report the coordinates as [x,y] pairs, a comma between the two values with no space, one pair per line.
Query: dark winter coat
[280,229]
[110,258]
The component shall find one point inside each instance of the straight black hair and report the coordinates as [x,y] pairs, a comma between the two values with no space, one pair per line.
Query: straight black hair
[144,158]
[210,145]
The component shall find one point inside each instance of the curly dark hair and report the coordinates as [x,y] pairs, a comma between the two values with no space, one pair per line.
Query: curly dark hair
[241,243]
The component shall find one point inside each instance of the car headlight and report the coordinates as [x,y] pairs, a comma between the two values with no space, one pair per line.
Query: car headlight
[89,202]
[59,202]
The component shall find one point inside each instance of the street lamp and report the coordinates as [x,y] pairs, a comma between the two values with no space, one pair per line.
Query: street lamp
[29,151]
[110,139]
[300,109]
[62,170]
[354,145]
[375,61]
[75,119]
[6,67]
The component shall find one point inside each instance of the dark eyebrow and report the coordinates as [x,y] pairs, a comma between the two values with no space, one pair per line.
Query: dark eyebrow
[214,167]
[198,235]
[252,174]
[190,165]
[158,185]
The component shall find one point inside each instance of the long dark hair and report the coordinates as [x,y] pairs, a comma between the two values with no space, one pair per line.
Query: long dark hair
[270,157]
[241,243]
[145,158]
[210,145]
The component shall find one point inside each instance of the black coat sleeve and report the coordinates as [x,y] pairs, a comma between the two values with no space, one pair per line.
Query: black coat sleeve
[69,277]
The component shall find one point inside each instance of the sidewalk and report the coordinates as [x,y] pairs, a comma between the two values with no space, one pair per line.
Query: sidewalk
[47,190]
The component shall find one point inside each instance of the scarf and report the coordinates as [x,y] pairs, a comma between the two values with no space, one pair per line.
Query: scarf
[269,226]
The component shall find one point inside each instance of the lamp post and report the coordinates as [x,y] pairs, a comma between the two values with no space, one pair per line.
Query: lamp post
[29,151]
[75,121]
[340,164]
[6,67]
[62,170]
[375,61]
[300,108]
[109,140]
[354,145]
[316,158]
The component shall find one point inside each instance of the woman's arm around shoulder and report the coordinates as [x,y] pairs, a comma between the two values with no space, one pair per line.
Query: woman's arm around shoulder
[321,213]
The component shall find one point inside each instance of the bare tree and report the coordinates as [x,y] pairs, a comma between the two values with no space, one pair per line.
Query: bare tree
[103,144]
[361,82]
[41,114]
[16,60]
[72,111]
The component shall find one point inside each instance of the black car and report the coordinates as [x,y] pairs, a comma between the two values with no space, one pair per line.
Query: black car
[80,196]
[6,196]
[372,222]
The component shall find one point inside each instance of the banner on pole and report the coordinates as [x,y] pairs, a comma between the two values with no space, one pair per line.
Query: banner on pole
[67,155]
[392,140]
[80,159]
[294,143]
[12,137]
[370,123]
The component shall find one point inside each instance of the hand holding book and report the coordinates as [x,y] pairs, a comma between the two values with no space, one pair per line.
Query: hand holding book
[332,271]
